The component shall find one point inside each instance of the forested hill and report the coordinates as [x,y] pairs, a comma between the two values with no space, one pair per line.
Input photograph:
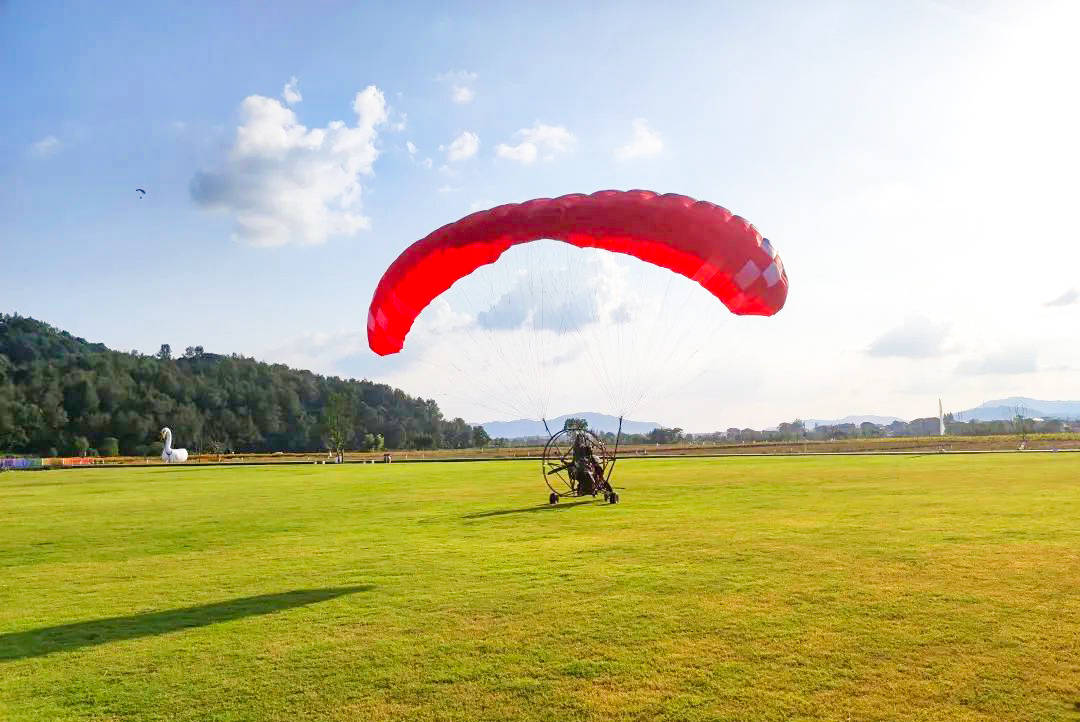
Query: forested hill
[60,394]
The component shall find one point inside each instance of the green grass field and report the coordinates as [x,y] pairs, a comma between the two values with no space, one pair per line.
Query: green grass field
[933,587]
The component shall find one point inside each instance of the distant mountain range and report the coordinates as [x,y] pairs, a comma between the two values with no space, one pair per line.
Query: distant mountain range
[1005,409]
[995,410]
[522,428]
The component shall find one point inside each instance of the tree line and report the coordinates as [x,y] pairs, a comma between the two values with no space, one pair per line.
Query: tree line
[62,395]
[797,431]
[929,426]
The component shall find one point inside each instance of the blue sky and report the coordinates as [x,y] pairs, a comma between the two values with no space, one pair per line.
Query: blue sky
[914,164]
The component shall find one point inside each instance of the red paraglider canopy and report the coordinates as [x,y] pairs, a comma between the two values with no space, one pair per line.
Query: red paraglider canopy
[702,241]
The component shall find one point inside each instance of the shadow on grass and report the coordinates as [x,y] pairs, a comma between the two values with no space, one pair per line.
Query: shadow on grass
[66,637]
[531,509]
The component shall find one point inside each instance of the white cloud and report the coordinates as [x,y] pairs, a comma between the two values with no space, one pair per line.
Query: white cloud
[539,139]
[524,153]
[370,107]
[399,123]
[1066,299]
[447,189]
[462,94]
[461,85]
[291,91]
[1014,360]
[918,337]
[346,352]
[510,311]
[413,150]
[47,146]
[536,300]
[463,147]
[285,183]
[644,142]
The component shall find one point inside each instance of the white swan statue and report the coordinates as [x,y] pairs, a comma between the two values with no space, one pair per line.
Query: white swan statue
[170,455]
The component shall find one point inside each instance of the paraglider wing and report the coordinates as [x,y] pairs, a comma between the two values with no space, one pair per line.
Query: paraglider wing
[699,240]
[141,192]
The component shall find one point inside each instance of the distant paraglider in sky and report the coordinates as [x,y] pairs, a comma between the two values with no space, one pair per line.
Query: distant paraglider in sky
[140,192]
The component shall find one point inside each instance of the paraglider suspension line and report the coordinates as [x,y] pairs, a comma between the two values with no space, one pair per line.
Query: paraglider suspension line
[614,454]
